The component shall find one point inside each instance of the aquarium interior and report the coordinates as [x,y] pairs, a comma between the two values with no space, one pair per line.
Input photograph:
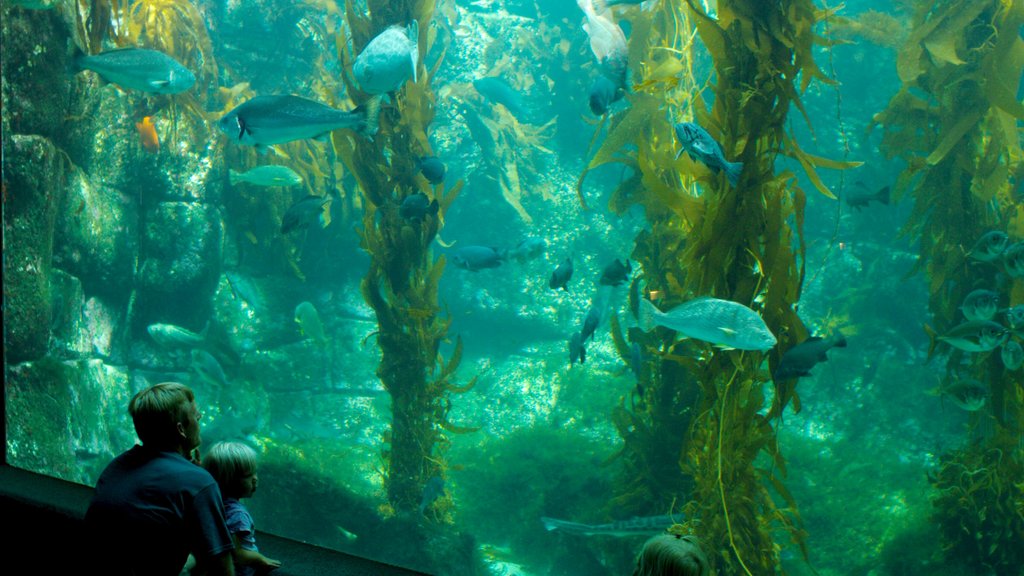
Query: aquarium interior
[405,354]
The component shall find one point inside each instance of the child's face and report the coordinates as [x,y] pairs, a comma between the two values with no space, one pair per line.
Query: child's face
[248,485]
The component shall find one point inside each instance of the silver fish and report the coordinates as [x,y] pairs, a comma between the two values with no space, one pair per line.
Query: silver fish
[1012,355]
[388,60]
[976,336]
[139,69]
[980,304]
[701,147]
[966,393]
[267,120]
[990,246]
[208,369]
[309,323]
[170,336]
[269,175]
[1013,260]
[631,527]
[1015,316]
[720,322]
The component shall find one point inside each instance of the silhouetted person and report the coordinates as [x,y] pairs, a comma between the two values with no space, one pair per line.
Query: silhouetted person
[153,504]
[671,555]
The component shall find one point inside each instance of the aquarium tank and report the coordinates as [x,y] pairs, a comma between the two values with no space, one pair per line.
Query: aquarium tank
[508,287]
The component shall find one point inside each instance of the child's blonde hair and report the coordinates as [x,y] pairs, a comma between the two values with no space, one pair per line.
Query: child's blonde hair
[229,463]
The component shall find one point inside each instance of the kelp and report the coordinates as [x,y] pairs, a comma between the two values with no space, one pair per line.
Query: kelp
[706,408]
[955,123]
[402,281]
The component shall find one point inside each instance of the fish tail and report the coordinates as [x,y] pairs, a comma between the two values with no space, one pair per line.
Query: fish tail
[838,340]
[370,111]
[648,315]
[733,171]
[883,195]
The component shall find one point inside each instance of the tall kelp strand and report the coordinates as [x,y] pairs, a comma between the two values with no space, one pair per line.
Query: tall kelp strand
[402,281]
[955,122]
[725,225]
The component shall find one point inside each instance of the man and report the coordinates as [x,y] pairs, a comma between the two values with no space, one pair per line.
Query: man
[153,505]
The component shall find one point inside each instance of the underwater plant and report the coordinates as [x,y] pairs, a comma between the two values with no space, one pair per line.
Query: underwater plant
[402,281]
[709,237]
[955,122]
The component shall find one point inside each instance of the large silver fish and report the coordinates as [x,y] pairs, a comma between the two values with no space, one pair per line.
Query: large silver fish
[388,60]
[980,304]
[631,527]
[139,69]
[720,322]
[976,336]
[170,336]
[267,120]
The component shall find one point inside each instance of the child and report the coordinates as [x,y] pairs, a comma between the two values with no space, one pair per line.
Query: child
[671,555]
[233,466]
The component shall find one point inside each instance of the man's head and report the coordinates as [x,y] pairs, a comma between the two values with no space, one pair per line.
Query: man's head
[671,555]
[166,417]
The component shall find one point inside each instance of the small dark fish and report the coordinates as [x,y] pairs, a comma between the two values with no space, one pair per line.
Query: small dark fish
[208,369]
[432,169]
[498,91]
[980,304]
[603,94]
[862,197]
[139,69]
[475,258]
[528,249]
[990,246]
[562,274]
[701,147]
[432,490]
[577,353]
[305,212]
[267,120]
[615,273]
[592,321]
[798,360]
[417,206]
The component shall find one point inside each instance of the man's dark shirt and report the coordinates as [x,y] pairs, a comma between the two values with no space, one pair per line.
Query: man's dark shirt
[150,510]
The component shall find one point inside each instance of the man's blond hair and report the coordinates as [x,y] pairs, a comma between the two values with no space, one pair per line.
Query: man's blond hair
[157,411]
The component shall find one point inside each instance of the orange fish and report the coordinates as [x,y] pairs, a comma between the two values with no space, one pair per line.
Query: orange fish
[147,134]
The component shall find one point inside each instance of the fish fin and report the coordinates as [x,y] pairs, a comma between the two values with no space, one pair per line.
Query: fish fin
[729,331]
[241,127]
[414,55]
[159,85]
[680,153]
[733,171]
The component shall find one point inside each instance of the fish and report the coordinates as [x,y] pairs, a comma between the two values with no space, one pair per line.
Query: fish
[475,258]
[861,197]
[309,323]
[721,322]
[432,490]
[965,393]
[603,93]
[607,42]
[304,212]
[1015,316]
[208,369]
[139,69]
[602,5]
[701,147]
[1012,354]
[528,249]
[577,353]
[417,206]
[263,121]
[147,134]
[169,336]
[980,304]
[798,360]
[561,276]
[591,322]
[632,527]
[976,336]
[498,91]
[388,60]
[432,169]
[1013,260]
[616,273]
[990,246]
[268,175]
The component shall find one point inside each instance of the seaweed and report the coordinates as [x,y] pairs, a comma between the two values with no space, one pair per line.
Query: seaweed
[705,408]
[955,123]
[402,281]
